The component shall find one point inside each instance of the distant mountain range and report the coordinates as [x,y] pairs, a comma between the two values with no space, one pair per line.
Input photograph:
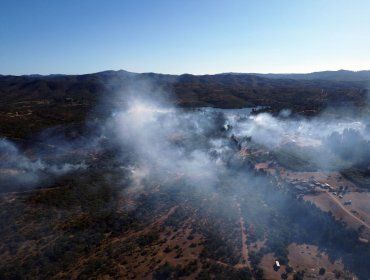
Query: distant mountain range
[33,102]
[227,90]
[340,75]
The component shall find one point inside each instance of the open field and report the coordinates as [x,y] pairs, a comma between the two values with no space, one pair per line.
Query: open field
[309,259]
[353,215]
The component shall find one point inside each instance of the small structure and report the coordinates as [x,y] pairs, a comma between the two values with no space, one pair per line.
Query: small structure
[276,265]
[348,202]
[363,240]
[226,127]
[300,188]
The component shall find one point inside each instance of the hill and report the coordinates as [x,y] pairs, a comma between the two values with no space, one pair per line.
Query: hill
[71,98]
[340,75]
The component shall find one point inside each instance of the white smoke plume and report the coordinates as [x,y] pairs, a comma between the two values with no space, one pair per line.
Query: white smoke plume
[16,169]
[168,140]
[196,144]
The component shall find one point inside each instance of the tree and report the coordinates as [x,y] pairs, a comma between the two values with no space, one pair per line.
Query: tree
[322,271]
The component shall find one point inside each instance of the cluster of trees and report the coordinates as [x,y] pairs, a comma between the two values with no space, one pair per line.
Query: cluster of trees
[217,271]
[66,222]
[168,271]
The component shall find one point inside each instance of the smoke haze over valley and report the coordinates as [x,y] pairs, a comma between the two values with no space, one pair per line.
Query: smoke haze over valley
[135,182]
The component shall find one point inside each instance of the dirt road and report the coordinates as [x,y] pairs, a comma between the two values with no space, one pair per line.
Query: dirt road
[244,239]
[339,204]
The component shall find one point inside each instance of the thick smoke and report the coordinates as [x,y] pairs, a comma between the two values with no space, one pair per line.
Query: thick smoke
[169,141]
[327,143]
[199,145]
[19,170]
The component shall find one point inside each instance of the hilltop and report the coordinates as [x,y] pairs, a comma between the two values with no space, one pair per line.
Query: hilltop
[71,98]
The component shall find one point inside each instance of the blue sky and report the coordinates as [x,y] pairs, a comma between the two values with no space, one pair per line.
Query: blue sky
[187,36]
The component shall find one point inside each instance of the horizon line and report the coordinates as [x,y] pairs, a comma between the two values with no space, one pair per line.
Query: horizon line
[186,73]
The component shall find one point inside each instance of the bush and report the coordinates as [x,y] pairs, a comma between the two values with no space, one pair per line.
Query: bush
[322,271]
